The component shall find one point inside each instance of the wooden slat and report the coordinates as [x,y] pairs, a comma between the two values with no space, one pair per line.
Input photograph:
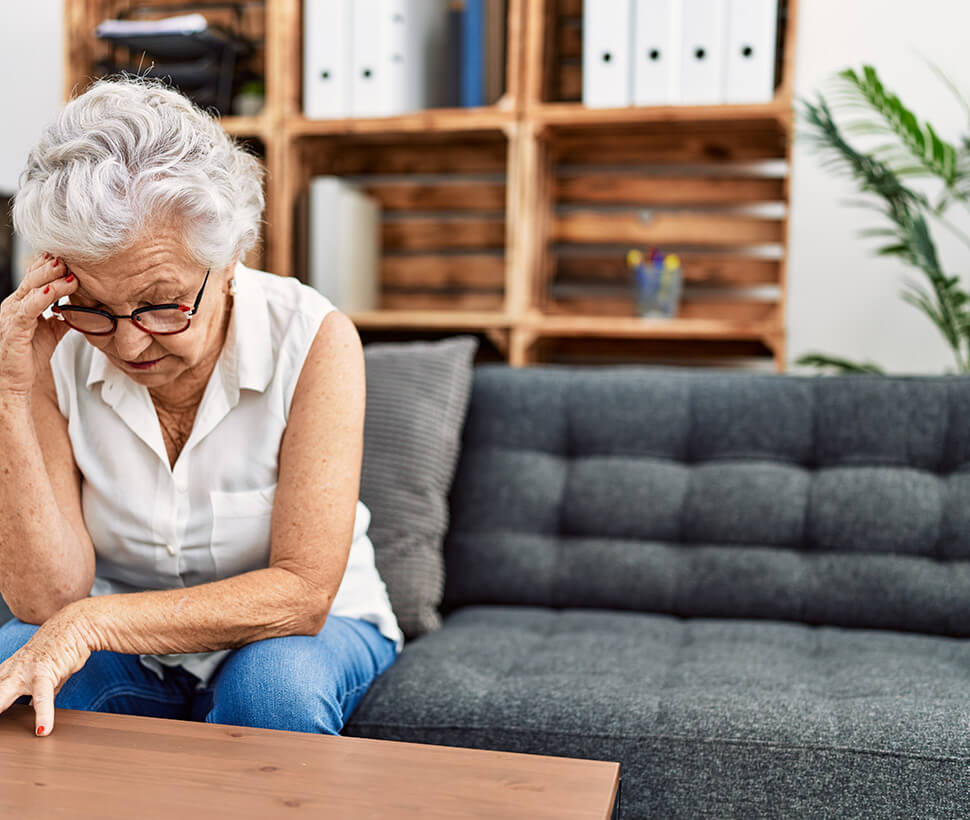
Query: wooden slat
[568,8]
[405,195]
[739,311]
[422,234]
[360,157]
[472,300]
[697,269]
[625,188]
[431,120]
[565,350]
[570,81]
[471,270]
[667,142]
[569,39]
[574,118]
[435,318]
[514,51]
[245,126]
[636,328]
[665,229]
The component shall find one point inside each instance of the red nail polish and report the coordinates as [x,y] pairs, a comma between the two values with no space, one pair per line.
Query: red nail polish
[47,289]
[40,731]
[69,277]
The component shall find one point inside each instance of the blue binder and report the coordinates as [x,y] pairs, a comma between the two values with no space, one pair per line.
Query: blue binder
[473,54]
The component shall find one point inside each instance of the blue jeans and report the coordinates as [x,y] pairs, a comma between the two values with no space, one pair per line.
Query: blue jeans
[300,683]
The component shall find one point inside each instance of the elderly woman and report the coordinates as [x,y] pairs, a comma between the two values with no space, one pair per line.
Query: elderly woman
[181,441]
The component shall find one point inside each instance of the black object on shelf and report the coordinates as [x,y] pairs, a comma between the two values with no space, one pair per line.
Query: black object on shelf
[6,246]
[208,66]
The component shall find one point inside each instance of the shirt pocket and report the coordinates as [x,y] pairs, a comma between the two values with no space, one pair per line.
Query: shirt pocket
[241,530]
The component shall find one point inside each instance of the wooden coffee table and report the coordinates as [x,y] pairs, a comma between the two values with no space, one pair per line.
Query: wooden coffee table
[97,765]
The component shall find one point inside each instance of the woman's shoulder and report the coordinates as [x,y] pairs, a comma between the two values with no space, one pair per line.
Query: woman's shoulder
[285,296]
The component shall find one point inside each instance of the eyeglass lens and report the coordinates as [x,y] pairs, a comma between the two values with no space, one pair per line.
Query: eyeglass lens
[154,321]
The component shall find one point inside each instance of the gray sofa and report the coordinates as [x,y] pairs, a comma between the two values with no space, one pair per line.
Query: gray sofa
[752,590]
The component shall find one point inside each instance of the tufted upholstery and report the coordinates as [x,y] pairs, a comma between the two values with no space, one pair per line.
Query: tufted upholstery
[708,717]
[838,500]
[751,590]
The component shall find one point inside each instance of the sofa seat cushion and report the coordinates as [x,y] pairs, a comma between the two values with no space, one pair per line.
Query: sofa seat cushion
[707,717]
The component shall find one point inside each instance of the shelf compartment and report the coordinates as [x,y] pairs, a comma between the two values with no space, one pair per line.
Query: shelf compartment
[443,204]
[85,52]
[717,197]
[555,70]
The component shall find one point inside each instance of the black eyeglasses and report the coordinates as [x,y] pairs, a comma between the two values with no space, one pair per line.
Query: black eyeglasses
[158,320]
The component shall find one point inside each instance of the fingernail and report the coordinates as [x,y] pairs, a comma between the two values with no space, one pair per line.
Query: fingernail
[55,262]
[46,255]
[47,289]
[69,277]
[40,731]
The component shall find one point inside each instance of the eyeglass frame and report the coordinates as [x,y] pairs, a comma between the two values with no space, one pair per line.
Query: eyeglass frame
[188,311]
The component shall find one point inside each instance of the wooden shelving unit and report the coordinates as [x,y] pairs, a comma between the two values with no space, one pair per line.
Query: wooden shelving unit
[512,220]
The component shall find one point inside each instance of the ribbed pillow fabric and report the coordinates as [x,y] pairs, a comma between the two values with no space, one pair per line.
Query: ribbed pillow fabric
[417,396]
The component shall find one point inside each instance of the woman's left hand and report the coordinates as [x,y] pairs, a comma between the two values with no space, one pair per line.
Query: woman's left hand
[59,648]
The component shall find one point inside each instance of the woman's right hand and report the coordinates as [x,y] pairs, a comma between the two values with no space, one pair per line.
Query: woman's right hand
[27,339]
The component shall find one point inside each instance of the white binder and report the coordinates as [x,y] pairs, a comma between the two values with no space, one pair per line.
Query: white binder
[752,27]
[344,244]
[656,52]
[413,47]
[702,78]
[607,40]
[368,94]
[326,58]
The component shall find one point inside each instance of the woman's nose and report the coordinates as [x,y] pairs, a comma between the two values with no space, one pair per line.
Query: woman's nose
[130,342]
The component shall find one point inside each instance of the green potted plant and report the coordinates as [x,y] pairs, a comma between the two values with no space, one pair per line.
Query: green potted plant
[913,149]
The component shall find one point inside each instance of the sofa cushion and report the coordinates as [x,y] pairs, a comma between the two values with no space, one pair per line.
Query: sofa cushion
[838,500]
[712,718]
[417,396]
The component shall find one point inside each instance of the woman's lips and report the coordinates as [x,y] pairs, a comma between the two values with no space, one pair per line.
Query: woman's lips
[144,365]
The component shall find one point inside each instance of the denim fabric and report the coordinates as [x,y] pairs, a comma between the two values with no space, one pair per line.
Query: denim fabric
[299,683]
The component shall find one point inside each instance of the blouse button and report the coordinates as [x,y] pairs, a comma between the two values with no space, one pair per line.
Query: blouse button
[171,549]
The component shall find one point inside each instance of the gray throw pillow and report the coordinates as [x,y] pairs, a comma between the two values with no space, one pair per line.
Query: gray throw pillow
[417,396]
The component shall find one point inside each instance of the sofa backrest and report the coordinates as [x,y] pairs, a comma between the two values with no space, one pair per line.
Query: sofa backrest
[841,500]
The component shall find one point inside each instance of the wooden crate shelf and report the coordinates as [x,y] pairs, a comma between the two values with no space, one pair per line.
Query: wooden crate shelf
[512,220]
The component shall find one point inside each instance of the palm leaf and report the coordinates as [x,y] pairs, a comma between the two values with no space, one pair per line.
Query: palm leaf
[822,360]
[937,155]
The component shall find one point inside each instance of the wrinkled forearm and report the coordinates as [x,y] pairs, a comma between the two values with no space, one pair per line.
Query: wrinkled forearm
[42,563]
[254,606]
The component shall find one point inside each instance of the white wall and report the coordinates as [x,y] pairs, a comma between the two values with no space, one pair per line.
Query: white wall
[844,300]
[31,72]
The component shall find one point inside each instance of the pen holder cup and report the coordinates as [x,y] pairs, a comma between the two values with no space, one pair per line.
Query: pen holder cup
[657,291]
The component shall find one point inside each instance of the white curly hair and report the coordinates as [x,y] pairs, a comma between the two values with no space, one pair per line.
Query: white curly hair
[130,152]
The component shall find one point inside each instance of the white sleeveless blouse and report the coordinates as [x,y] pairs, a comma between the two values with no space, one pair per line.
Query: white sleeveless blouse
[208,518]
